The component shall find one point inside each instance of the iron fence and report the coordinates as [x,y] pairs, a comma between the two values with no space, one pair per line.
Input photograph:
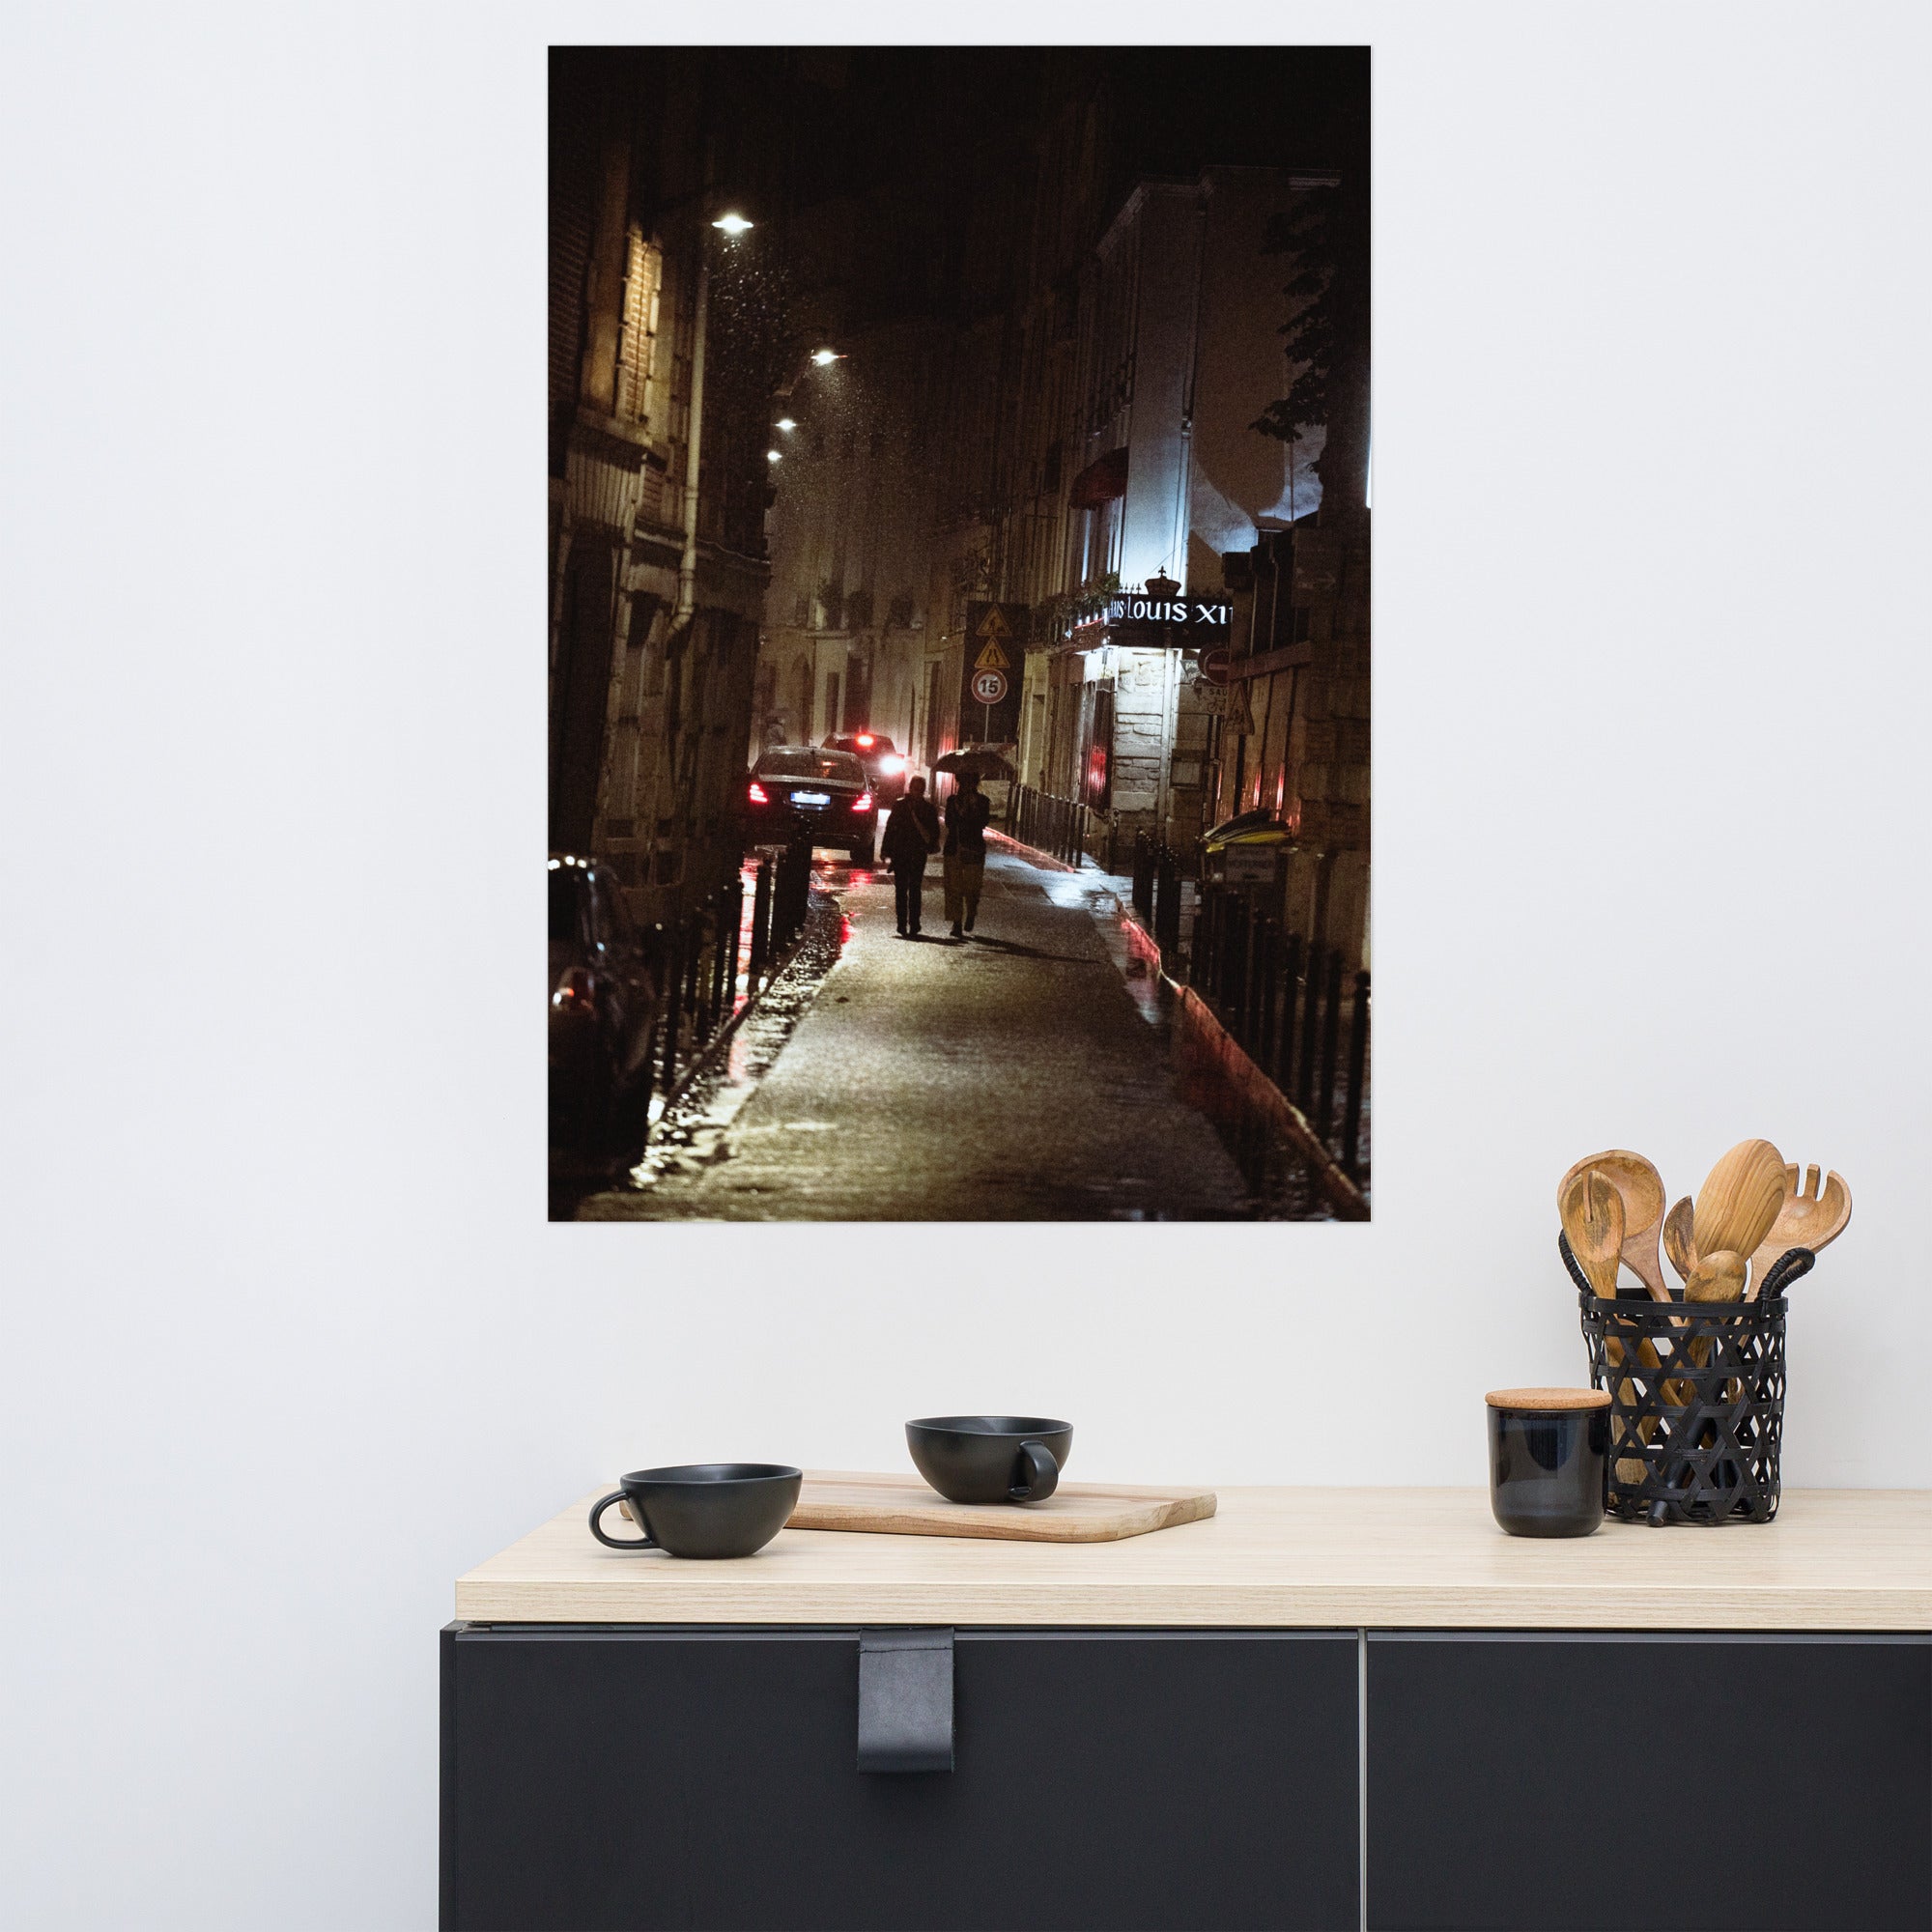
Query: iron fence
[1063,826]
[1293,1008]
[706,958]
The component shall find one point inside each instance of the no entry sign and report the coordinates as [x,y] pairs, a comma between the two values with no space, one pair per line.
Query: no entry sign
[1215,663]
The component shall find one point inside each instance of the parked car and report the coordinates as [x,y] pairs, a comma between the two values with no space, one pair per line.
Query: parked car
[814,790]
[886,765]
[603,1009]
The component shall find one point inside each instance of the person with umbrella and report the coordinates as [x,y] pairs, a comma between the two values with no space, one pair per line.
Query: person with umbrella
[911,833]
[967,811]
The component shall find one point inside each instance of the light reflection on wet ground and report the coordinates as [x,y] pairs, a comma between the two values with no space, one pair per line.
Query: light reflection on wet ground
[697,1132]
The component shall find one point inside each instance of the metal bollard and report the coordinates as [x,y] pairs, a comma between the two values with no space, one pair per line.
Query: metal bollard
[762,911]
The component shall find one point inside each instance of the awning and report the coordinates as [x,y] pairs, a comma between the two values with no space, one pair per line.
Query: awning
[1102,480]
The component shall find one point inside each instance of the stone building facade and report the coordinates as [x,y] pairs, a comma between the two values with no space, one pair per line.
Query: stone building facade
[657,558]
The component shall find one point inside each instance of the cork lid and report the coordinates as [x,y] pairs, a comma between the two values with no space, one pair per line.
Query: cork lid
[1548,1400]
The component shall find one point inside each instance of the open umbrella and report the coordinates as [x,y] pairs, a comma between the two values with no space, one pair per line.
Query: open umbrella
[987,764]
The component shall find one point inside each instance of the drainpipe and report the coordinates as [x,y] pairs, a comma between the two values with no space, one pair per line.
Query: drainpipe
[687,568]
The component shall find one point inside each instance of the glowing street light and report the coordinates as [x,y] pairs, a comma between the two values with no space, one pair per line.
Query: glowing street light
[825,357]
[733,225]
[773,456]
[787,424]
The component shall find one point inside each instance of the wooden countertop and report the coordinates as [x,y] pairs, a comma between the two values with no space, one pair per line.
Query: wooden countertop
[1835,1559]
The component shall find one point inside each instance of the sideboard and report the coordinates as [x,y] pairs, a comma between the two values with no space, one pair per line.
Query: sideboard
[1324,1709]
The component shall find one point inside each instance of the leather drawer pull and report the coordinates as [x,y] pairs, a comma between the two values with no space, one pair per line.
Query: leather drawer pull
[905,1700]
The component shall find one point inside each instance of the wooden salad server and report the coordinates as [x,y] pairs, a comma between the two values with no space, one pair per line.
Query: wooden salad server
[1641,1187]
[1592,1211]
[1809,1217]
[1738,1201]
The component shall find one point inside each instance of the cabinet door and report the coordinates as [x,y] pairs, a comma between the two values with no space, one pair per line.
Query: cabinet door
[598,1778]
[1621,1781]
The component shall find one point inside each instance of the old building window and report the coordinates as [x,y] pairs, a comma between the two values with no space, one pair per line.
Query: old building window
[898,613]
[801,611]
[859,610]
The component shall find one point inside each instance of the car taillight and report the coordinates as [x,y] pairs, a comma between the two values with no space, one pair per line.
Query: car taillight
[863,803]
[757,794]
[892,766]
[574,993]
[867,740]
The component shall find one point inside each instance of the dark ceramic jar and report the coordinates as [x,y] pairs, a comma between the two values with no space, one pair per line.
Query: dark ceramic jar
[1549,1456]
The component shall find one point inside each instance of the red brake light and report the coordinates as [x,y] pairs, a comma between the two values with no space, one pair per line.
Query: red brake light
[757,794]
[574,993]
[867,740]
[863,803]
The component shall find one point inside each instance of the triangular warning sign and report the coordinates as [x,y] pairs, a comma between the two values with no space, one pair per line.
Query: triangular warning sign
[994,624]
[992,658]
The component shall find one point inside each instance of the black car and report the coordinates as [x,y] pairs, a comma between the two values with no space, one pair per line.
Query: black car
[886,765]
[815,791]
[603,1009]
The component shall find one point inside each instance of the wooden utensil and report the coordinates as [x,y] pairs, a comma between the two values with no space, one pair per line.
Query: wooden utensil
[1807,1217]
[1593,1218]
[1593,1222]
[1717,1277]
[1641,1187]
[1678,1240]
[1739,1200]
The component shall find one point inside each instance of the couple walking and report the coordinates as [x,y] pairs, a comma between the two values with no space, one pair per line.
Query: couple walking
[912,832]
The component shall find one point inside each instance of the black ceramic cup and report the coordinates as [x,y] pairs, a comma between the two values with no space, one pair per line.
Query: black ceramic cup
[703,1509]
[990,1459]
[1548,1456]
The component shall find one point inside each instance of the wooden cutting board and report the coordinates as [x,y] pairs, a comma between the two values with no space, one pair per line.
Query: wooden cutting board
[1076,1513]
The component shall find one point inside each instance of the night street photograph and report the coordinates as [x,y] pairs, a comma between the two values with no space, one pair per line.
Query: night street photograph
[959,494]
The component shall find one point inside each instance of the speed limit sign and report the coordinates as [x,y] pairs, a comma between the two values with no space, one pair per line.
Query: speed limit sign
[989,686]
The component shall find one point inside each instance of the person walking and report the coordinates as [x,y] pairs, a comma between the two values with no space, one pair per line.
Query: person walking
[967,811]
[912,832]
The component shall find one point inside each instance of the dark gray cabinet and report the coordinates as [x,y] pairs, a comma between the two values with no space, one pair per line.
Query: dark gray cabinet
[608,1778]
[1580,1783]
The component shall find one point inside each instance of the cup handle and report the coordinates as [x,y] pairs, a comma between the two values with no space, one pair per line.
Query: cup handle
[597,1510]
[1041,1474]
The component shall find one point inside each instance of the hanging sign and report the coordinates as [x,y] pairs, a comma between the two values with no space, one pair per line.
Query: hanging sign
[990,697]
[1175,623]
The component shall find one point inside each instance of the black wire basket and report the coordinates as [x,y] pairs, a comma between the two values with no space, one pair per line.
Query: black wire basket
[1696,1400]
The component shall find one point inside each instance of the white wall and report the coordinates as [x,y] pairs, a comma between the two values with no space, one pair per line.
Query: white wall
[288,1342]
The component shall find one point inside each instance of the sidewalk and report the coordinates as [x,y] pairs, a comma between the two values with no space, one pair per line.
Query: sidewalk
[1011,1076]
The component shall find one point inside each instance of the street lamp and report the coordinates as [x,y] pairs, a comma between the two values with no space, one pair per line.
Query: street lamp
[733,225]
[773,456]
[787,424]
[825,357]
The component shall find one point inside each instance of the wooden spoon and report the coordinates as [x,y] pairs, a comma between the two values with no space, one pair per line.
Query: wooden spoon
[1809,1217]
[1717,1277]
[1680,1241]
[1739,1200]
[1640,1185]
[1593,1218]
